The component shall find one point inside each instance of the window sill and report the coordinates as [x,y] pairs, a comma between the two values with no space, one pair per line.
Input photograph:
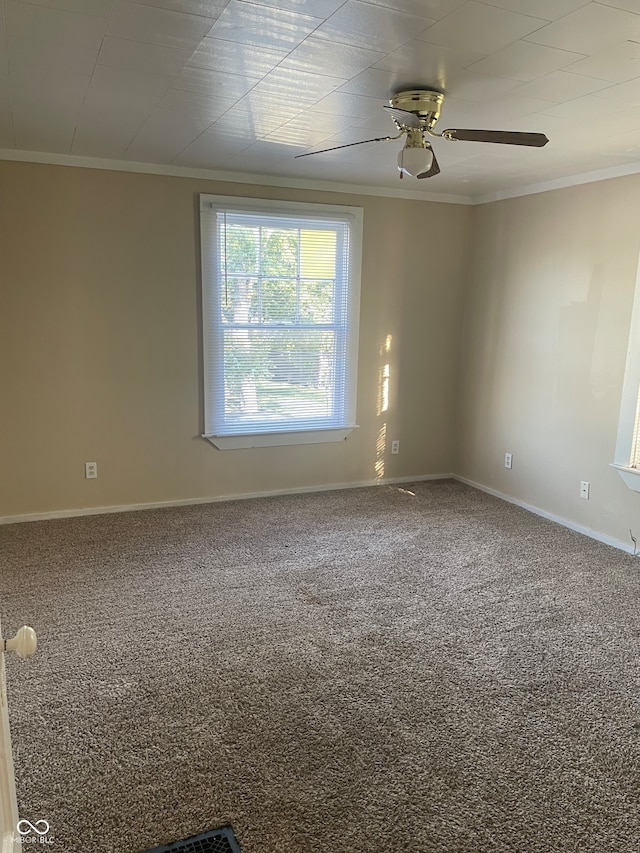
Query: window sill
[630,476]
[279,439]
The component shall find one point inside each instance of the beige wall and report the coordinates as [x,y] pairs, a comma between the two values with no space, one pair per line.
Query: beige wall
[99,343]
[544,346]
[100,336]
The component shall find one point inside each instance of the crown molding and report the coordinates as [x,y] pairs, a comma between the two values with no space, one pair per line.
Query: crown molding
[560,183]
[47,158]
[255,179]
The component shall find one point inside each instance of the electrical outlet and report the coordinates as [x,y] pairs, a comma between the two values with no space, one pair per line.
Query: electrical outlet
[395,447]
[508,460]
[91,470]
[584,489]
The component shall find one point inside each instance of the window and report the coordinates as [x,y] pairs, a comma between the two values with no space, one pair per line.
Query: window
[280,308]
[627,458]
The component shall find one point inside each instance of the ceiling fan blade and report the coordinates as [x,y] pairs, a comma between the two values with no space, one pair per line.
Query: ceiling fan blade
[434,170]
[403,117]
[349,145]
[506,137]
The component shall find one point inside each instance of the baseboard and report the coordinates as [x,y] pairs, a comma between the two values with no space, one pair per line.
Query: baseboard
[104,510]
[558,519]
[386,481]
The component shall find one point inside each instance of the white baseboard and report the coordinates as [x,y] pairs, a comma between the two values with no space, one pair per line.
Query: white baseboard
[579,528]
[103,510]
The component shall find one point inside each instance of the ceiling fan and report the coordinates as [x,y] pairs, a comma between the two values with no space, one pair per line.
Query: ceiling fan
[415,113]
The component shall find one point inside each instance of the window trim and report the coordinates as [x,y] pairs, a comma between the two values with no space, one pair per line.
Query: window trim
[242,441]
[211,347]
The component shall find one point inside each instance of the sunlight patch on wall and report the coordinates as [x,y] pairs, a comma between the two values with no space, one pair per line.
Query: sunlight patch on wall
[384,379]
[381,447]
[383,395]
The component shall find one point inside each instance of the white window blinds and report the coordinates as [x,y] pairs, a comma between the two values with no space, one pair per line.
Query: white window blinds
[280,318]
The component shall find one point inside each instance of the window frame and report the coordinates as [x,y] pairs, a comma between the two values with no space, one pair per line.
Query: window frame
[212,351]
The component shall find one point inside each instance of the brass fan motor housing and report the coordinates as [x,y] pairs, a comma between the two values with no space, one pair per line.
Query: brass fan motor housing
[425,103]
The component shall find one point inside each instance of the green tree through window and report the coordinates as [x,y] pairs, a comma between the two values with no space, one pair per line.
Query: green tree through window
[263,286]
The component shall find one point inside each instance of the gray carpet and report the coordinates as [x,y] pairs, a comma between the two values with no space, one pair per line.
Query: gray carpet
[363,671]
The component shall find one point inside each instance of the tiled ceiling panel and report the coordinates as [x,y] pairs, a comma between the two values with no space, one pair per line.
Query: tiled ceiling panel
[549,10]
[367,25]
[525,61]
[138,56]
[246,85]
[477,26]
[589,29]
[616,63]
[266,26]
[237,57]
[137,22]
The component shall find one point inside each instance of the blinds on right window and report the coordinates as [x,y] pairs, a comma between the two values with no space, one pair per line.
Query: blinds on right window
[627,453]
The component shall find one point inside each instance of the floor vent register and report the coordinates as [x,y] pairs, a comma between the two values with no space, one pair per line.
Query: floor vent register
[215,841]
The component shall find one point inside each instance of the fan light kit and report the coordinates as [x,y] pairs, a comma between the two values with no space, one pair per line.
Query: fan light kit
[415,113]
[415,159]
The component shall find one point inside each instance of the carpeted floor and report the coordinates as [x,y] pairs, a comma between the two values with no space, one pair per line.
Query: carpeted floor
[374,670]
